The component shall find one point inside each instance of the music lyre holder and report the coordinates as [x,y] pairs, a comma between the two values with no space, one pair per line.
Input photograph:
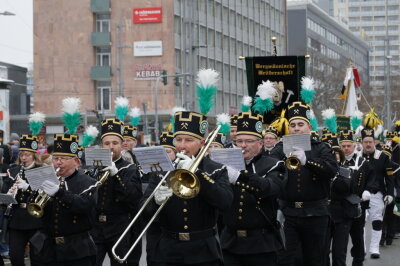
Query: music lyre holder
[156,168]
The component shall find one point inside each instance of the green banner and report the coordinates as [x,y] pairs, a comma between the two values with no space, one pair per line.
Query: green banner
[286,71]
[343,123]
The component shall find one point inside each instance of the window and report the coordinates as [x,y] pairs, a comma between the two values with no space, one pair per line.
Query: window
[103,56]
[103,22]
[103,95]
[378,8]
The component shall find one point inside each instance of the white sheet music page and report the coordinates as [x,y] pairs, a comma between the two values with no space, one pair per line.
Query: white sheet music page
[231,157]
[98,157]
[302,141]
[37,176]
[153,159]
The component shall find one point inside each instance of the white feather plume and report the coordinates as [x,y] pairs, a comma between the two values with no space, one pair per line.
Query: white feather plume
[385,132]
[177,109]
[378,131]
[328,113]
[36,117]
[92,131]
[358,114]
[307,83]
[224,118]
[358,131]
[266,90]
[312,115]
[121,101]
[71,105]
[247,100]
[207,78]
[134,112]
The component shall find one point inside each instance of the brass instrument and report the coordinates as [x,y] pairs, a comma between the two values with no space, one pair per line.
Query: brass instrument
[292,162]
[184,184]
[36,208]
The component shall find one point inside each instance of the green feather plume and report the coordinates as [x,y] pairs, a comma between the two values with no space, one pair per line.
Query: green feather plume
[121,108]
[36,121]
[224,120]
[261,106]
[206,89]
[313,121]
[71,116]
[134,115]
[246,103]
[330,119]
[356,120]
[89,136]
[307,92]
[263,101]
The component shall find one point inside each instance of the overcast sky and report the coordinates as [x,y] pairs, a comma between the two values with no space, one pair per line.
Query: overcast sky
[16,32]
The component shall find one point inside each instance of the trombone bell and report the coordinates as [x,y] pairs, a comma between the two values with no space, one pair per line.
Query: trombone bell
[184,184]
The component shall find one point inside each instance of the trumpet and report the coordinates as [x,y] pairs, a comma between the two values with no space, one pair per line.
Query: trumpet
[36,208]
[292,162]
[184,184]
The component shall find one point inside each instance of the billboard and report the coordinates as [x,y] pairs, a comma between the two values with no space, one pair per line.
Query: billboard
[147,48]
[147,15]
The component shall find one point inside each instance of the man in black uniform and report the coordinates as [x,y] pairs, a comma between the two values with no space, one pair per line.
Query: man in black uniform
[251,236]
[189,235]
[232,132]
[271,138]
[68,218]
[118,197]
[362,177]
[304,201]
[382,190]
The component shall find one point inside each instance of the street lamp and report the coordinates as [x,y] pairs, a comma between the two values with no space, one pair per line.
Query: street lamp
[7,13]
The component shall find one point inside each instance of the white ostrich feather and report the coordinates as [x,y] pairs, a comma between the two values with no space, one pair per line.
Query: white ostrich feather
[135,112]
[224,118]
[358,114]
[71,105]
[312,115]
[328,113]
[247,100]
[92,131]
[266,90]
[307,83]
[121,101]
[378,131]
[36,117]
[207,78]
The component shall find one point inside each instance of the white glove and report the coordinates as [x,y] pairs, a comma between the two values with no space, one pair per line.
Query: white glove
[185,161]
[300,154]
[366,195]
[388,198]
[233,174]
[162,194]
[395,209]
[49,188]
[113,169]
[21,184]
[12,190]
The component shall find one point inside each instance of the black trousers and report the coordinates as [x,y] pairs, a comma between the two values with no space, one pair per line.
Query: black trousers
[18,239]
[88,261]
[389,223]
[311,232]
[338,241]
[357,237]
[262,259]
[211,263]
[105,247]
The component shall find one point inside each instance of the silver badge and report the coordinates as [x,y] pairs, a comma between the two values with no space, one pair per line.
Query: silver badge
[203,126]
[34,145]
[223,139]
[134,133]
[308,114]
[73,147]
[259,126]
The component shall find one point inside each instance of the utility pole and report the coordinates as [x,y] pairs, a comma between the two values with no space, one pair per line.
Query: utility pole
[388,89]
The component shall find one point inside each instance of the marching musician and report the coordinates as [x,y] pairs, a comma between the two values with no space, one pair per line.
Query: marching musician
[304,200]
[363,178]
[383,187]
[129,142]
[118,197]
[21,225]
[232,132]
[250,236]
[68,217]
[189,234]
[270,138]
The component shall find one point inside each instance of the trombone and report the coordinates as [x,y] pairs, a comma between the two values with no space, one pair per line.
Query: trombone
[184,184]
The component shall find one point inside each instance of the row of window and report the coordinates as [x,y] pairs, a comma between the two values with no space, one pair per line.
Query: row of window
[375,28]
[374,18]
[372,8]
[317,46]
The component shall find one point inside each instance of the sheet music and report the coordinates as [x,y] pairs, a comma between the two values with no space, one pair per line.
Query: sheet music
[302,141]
[37,176]
[7,199]
[153,157]
[231,157]
[98,157]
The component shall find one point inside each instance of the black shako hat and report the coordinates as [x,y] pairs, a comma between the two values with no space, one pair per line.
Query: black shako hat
[190,123]
[298,110]
[167,140]
[66,145]
[28,143]
[250,124]
[112,126]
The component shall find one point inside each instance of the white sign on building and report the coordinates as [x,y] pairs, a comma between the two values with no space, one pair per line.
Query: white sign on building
[148,48]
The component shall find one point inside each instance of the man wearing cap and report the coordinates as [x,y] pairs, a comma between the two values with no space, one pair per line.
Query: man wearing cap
[362,176]
[232,132]
[189,235]
[68,217]
[271,138]
[129,142]
[304,200]
[383,187]
[118,197]
[250,236]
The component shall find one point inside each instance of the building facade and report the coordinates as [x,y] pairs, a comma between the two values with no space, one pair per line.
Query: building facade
[100,49]
[331,47]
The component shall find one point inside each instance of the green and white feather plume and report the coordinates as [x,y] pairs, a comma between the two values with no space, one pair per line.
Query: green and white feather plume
[356,119]
[313,121]
[36,121]
[71,115]
[134,115]
[378,131]
[263,101]
[121,107]
[224,120]
[89,136]
[206,88]
[246,103]
[307,92]
[172,119]
[329,117]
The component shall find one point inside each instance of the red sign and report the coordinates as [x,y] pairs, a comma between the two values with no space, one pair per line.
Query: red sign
[147,15]
[1,115]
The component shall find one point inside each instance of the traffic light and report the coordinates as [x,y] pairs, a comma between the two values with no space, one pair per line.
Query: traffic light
[177,82]
[164,79]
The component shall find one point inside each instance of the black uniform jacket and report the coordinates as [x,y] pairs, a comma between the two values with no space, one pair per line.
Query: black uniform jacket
[20,218]
[118,198]
[67,220]
[311,182]
[255,194]
[362,175]
[383,170]
[198,214]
